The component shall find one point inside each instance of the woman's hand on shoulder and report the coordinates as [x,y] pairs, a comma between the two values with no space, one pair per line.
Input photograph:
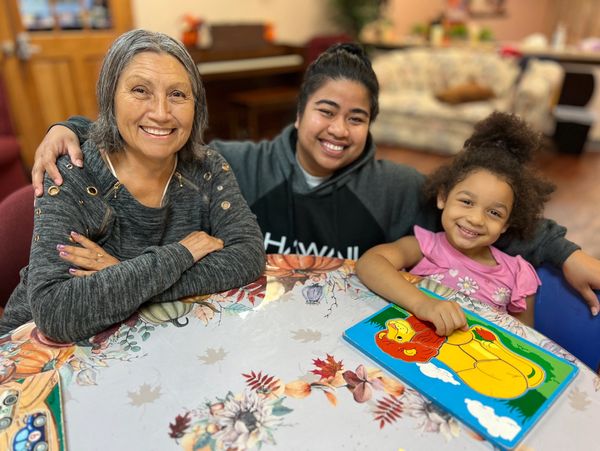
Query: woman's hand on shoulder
[88,257]
[582,271]
[200,244]
[59,140]
[446,316]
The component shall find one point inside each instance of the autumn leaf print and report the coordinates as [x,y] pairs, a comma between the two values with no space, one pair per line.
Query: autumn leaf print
[262,384]
[179,427]
[388,410]
[327,368]
[212,356]
[252,291]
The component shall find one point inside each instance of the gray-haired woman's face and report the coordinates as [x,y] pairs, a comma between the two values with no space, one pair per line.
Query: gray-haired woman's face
[154,105]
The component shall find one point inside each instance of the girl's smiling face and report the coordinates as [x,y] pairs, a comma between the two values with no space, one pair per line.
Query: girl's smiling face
[333,128]
[476,212]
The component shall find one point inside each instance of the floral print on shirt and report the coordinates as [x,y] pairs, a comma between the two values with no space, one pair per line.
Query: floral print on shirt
[502,295]
[467,285]
[436,277]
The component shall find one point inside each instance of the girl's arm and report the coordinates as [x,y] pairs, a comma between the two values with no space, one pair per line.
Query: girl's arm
[526,316]
[378,270]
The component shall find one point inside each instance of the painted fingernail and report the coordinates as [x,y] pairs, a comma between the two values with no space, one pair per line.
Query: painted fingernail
[72,270]
[60,247]
[63,254]
[74,234]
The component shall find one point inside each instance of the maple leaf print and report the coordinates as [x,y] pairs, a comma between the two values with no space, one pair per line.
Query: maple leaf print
[212,356]
[327,368]
[182,422]
[579,400]
[144,395]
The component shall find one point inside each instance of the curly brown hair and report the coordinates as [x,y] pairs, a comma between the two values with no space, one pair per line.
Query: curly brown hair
[504,145]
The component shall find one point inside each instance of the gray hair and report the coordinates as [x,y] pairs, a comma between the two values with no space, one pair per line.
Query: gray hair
[104,132]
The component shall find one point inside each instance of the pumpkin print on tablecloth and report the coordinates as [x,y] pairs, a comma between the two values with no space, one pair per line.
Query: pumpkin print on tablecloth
[290,269]
[33,358]
[162,312]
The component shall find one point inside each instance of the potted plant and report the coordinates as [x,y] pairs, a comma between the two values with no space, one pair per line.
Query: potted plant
[353,15]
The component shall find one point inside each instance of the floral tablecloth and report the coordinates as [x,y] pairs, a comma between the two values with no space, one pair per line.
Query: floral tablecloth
[265,366]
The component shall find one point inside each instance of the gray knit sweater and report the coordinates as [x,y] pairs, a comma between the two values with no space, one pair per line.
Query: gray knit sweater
[202,195]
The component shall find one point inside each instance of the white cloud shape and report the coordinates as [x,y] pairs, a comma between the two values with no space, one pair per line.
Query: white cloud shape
[497,426]
[430,370]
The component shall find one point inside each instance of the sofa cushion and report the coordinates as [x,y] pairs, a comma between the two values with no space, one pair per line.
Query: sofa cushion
[466,92]
[424,104]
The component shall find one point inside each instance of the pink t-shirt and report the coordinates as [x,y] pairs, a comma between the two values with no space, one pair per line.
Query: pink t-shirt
[505,285]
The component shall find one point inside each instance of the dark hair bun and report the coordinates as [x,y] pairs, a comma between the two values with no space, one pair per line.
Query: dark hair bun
[349,47]
[506,133]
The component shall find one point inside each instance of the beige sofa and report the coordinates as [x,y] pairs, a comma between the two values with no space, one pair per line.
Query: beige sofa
[412,81]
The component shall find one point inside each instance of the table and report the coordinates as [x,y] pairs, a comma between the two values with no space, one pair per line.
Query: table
[263,366]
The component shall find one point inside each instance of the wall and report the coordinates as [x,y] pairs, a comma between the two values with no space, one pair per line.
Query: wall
[522,18]
[294,22]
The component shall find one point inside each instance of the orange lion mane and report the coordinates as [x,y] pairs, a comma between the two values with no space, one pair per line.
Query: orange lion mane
[425,342]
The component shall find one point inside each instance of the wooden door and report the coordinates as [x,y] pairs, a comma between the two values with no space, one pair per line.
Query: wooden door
[51,52]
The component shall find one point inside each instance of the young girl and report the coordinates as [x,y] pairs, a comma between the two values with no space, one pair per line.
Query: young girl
[488,190]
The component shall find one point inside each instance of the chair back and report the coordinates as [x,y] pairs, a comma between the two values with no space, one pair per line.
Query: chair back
[16,227]
[562,315]
[12,171]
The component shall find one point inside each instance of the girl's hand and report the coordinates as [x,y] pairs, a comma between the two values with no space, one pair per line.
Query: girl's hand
[201,244]
[88,258]
[446,316]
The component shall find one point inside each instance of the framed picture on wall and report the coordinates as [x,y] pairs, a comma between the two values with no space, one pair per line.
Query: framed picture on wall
[485,8]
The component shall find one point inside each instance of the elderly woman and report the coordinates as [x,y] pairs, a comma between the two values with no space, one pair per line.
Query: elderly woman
[153,217]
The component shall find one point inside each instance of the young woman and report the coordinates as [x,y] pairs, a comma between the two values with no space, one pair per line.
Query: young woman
[488,190]
[317,188]
[152,217]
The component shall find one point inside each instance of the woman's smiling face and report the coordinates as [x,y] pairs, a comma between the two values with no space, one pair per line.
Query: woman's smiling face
[154,105]
[333,128]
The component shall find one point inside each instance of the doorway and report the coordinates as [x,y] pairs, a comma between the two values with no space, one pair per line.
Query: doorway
[50,57]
